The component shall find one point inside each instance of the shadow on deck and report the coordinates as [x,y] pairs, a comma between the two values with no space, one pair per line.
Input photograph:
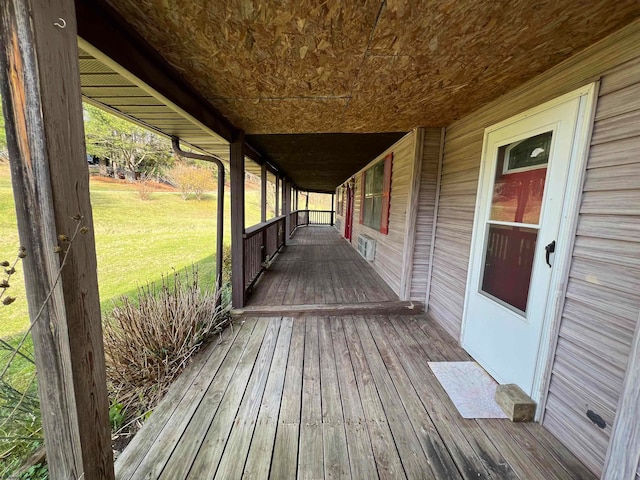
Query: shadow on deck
[292,395]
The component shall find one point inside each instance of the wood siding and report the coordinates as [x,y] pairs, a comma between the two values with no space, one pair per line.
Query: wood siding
[425,214]
[602,299]
[390,247]
[461,164]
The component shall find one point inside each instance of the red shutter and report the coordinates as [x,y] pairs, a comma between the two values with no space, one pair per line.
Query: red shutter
[362,178]
[386,194]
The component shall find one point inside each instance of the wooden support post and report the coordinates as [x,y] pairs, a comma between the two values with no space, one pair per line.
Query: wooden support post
[40,90]
[263,192]
[623,455]
[277,208]
[286,204]
[333,198]
[238,294]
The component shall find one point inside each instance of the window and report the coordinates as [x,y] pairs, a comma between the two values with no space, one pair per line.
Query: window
[340,201]
[528,154]
[376,195]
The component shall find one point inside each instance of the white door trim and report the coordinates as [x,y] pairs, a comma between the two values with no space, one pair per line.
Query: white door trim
[566,235]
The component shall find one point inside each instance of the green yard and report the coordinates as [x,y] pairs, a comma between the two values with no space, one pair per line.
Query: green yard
[137,241]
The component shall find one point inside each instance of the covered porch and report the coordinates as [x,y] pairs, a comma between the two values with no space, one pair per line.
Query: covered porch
[325,373]
[330,395]
[319,269]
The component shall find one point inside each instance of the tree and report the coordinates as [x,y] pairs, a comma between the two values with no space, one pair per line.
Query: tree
[128,146]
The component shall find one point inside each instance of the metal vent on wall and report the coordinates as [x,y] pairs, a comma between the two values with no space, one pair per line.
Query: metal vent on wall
[367,247]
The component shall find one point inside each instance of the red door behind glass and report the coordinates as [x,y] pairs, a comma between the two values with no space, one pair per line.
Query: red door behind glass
[348,218]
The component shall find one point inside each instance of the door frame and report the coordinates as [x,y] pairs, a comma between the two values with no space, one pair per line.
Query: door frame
[566,234]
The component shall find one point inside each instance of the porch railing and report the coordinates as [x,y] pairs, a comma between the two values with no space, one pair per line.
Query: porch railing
[311,217]
[261,242]
[293,221]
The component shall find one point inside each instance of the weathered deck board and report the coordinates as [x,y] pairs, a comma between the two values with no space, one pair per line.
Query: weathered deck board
[411,455]
[434,448]
[259,458]
[179,463]
[206,461]
[474,454]
[184,396]
[310,459]
[361,458]
[385,452]
[336,456]
[333,395]
[284,463]
[319,267]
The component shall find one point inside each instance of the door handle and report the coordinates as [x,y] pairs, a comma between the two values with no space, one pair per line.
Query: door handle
[549,250]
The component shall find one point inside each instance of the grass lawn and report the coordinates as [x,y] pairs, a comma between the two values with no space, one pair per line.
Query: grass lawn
[136,241]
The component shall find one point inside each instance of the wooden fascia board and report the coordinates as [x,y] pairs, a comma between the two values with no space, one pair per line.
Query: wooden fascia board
[107,31]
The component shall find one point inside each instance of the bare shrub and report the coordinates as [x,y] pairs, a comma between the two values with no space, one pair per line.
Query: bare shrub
[148,342]
[144,187]
[191,180]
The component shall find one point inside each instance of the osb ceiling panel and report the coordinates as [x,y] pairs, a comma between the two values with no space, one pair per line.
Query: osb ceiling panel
[301,66]
[320,162]
[309,115]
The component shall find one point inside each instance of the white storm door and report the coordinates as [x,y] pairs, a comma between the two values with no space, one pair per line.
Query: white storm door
[521,196]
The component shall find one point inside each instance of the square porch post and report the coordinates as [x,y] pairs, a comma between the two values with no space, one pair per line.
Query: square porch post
[333,198]
[237,222]
[286,204]
[40,85]
[277,207]
[263,192]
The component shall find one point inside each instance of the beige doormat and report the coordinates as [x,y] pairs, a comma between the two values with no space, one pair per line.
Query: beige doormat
[470,388]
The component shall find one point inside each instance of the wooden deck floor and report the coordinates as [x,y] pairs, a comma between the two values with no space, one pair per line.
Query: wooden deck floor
[318,267]
[331,397]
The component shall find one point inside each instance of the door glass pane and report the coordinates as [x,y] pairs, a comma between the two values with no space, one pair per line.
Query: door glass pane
[508,263]
[520,177]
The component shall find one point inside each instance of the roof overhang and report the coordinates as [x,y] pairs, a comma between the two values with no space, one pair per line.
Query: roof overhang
[316,87]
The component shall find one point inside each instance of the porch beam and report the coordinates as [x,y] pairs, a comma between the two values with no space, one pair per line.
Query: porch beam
[105,29]
[263,192]
[40,88]
[237,221]
[623,455]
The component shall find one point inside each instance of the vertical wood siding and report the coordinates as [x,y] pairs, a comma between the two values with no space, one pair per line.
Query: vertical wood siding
[424,220]
[390,247]
[602,300]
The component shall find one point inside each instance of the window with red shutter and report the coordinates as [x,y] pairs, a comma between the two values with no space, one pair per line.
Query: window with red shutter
[375,195]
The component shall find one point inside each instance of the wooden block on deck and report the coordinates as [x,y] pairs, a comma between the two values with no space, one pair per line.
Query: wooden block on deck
[515,403]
